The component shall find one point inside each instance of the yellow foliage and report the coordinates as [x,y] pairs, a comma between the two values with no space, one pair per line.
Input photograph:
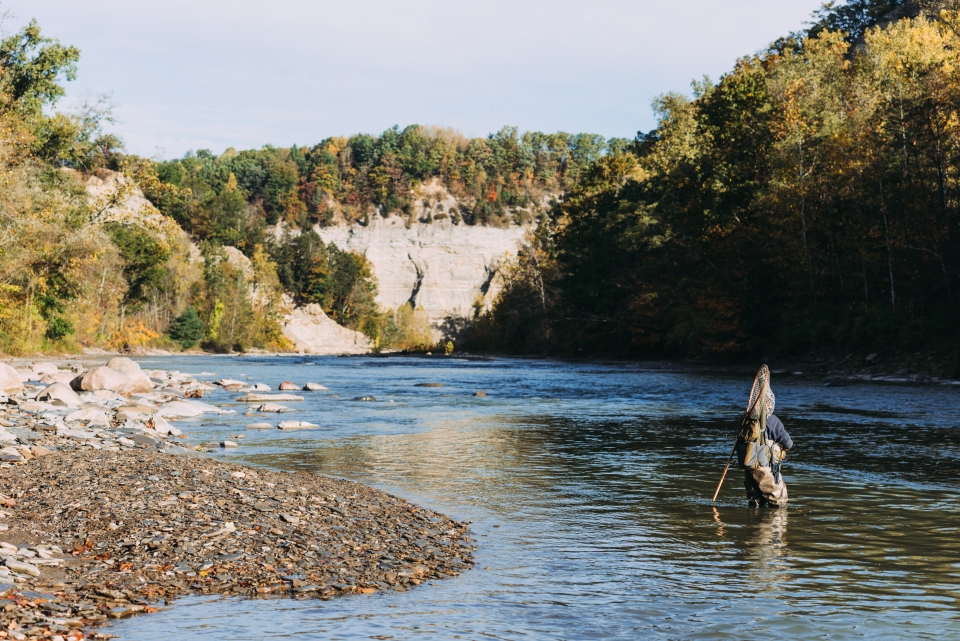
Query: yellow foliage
[132,334]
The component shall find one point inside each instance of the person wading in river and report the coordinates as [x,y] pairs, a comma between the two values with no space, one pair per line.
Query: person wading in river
[761,447]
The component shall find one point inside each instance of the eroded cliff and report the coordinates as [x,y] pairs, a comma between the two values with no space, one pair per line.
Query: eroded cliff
[440,267]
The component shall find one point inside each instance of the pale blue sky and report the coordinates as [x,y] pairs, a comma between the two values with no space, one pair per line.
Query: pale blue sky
[193,74]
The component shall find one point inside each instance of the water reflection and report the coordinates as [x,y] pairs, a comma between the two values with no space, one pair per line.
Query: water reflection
[594,514]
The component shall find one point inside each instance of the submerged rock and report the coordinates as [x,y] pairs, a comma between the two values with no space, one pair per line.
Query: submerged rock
[272,407]
[297,425]
[269,397]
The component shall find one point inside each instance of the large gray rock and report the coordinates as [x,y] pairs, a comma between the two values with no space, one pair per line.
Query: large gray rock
[10,381]
[312,332]
[102,378]
[140,381]
[60,392]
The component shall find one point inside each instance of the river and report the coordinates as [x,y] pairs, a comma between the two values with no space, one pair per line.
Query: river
[589,485]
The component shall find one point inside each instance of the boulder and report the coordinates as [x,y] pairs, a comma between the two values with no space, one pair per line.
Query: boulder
[260,387]
[10,381]
[287,386]
[140,381]
[272,407]
[188,409]
[297,425]
[161,426]
[42,369]
[59,393]
[58,377]
[88,415]
[314,387]
[229,382]
[102,378]
[179,409]
[312,332]
[135,411]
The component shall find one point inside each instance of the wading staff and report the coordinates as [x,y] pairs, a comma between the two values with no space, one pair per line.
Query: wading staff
[763,375]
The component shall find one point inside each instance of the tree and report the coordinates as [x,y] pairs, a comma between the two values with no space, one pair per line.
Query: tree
[187,329]
[31,67]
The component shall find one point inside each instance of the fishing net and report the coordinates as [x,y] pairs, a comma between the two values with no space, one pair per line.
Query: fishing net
[761,396]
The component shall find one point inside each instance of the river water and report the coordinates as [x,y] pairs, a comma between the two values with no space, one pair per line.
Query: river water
[589,490]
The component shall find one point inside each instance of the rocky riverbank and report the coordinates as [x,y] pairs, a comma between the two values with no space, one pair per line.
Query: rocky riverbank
[103,515]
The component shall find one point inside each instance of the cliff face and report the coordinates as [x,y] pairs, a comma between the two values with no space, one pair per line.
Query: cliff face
[439,267]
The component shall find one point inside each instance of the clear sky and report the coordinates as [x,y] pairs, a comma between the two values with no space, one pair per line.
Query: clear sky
[211,74]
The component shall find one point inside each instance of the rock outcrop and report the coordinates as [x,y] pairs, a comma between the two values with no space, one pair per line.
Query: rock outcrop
[312,332]
[439,267]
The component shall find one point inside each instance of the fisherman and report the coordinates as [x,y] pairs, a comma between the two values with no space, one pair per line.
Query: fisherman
[761,447]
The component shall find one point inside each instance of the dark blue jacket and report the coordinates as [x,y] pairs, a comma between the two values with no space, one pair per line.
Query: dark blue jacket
[778,432]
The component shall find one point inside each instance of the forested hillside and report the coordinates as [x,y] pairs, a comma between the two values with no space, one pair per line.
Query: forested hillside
[80,268]
[809,199]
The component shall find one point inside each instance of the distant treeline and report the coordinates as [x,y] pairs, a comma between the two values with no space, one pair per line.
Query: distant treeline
[499,179]
[810,199]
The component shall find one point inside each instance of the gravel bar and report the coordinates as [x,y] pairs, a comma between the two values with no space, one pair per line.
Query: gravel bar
[104,516]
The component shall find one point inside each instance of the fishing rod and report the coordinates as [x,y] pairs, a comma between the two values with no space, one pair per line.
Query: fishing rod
[761,379]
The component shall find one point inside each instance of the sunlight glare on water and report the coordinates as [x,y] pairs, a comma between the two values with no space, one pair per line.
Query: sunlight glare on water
[589,489]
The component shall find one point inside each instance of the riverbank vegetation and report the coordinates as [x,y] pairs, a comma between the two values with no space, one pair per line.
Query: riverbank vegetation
[809,199]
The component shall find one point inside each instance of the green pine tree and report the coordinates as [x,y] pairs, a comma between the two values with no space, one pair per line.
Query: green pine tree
[186,329]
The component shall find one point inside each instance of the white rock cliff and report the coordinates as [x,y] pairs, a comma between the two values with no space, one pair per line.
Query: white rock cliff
[439,267]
